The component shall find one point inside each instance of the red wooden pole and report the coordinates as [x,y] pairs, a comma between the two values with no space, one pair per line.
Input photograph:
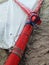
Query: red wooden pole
[21,43]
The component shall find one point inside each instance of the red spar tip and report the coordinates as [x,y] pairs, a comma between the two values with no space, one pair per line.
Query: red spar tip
[28,11]
[25,9]
[39,5]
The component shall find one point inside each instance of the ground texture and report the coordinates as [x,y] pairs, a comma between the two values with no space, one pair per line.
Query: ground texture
[37,51]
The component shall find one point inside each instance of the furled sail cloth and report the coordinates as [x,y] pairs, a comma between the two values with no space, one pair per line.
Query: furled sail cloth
[12,21]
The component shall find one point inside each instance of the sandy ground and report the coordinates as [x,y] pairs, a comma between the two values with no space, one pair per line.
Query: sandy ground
[37,51]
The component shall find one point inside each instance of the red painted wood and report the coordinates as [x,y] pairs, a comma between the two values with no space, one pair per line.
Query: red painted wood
[21,43]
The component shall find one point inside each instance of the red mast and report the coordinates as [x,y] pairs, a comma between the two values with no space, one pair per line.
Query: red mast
[21,43]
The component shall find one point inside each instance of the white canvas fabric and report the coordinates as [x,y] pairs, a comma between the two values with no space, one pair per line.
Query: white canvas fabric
[12,21]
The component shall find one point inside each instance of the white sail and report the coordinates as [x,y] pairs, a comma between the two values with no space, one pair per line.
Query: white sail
[12,21]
